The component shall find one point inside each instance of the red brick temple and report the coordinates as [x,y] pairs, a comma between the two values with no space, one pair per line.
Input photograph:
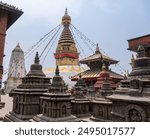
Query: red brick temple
[142,40]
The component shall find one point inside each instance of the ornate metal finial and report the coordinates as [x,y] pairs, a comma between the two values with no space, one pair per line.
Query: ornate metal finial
[66,11]
[18,45]
[57,70]
[104,67]
[97,49]
[36,61]
[66,19]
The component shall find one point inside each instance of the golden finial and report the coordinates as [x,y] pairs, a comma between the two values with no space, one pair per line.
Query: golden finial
[66,19]
[66,11]
[104,67]
[97,49]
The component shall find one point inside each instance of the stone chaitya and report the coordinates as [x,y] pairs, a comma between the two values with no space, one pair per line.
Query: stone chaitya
[101,105]
[80,103]
[26,97]
[56,103]
[131,101]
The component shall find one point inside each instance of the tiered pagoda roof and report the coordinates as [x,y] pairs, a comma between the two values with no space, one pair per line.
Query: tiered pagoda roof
[66,51]
[95,63]
[13,12]
[66,36]
[98,56]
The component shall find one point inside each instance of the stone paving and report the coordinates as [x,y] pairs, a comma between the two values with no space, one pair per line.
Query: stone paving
[8,105]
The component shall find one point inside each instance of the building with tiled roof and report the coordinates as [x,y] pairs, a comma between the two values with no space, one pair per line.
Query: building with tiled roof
[98,56]
[95,62]
[142,40]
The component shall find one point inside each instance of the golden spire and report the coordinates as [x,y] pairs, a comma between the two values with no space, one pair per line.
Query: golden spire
[97,49]
[104,67]
[66,19]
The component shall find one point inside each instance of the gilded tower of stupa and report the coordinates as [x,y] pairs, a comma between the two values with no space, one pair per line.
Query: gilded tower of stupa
[66,54]
[66,51]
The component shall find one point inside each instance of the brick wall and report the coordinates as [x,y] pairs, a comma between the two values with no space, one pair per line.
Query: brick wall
[134,43]
[3,26]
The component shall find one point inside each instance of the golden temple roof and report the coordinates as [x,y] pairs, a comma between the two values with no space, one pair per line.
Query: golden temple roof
[95,74]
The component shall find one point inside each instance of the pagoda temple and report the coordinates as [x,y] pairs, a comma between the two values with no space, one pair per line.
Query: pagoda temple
[16,69]
[95,62]
[66,54]
[131,101]
[56,102]
[26,97]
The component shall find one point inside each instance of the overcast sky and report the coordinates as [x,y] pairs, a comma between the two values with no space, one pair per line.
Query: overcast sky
[107,22]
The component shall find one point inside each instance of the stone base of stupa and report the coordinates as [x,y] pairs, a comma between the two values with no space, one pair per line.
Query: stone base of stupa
[2,105]
[96,119]
[42,118]
[13,117]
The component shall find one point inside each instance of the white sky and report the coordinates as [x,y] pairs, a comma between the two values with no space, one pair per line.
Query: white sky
[107,22]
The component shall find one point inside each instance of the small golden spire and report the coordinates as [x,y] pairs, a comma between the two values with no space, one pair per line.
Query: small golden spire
[104,67]
[66,19]
[97,49]
[66,11]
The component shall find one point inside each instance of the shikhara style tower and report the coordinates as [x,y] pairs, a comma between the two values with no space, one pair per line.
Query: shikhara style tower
[16,69]
[66,52]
